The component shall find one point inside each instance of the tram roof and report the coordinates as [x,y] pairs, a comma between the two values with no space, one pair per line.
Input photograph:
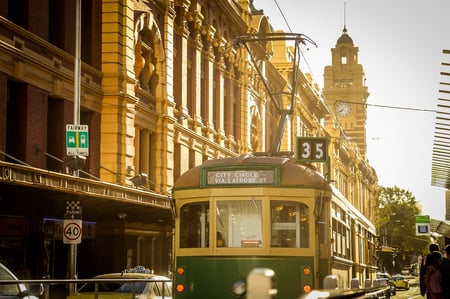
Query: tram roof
[291,172]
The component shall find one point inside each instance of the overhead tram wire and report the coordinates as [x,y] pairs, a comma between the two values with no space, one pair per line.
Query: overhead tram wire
[401,108]
[282,14]
[393,107]
[298,39]
[300,50]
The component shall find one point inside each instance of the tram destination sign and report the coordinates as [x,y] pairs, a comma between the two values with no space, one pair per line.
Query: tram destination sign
[240,177]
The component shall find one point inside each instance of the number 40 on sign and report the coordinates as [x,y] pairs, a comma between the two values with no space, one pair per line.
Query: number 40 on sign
[72,231]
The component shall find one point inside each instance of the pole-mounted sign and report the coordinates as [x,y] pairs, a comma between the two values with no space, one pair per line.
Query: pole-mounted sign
[77,140]
[312,149]
[72,229]
[422,225]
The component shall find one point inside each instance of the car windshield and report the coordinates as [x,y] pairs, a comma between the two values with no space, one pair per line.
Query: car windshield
[137,287]
[130,287]
[127,287]
[8,289]
[383,275]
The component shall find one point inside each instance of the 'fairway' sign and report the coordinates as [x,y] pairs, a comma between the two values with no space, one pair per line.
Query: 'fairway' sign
[77,140]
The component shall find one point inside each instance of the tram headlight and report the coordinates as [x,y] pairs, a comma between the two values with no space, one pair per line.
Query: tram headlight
[239,287]
[180,288]
[307,279]
[180,270]
[306,271]
[307,288]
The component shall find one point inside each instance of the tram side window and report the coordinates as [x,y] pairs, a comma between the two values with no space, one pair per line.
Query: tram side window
[194,225]
[290,224]
[239,223]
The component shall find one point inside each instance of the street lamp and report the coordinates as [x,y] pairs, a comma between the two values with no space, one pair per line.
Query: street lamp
[139,180]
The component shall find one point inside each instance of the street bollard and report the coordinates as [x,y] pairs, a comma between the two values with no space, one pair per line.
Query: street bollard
[330,282]
[259,284]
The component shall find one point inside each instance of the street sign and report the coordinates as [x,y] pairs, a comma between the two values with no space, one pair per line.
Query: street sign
[72,231]
[422,225]
[77,140]
[73,209]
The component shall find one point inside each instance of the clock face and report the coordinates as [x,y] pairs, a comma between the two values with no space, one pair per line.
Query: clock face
[343,108]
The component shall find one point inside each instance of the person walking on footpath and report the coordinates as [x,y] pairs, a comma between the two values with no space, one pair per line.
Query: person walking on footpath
[445,272]
[433,277]
[423,268]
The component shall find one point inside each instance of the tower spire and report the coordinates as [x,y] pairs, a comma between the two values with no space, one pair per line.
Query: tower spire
[345,16]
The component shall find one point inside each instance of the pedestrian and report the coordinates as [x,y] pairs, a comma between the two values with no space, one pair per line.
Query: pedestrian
[423,267]
[445,272]
[433,277]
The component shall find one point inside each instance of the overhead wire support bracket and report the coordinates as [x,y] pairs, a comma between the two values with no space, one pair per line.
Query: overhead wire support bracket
[298,39]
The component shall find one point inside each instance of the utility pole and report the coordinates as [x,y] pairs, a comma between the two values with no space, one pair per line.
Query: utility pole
[76,121]
[286,110]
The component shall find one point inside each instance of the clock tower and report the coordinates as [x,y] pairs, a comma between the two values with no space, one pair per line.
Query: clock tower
[345,91]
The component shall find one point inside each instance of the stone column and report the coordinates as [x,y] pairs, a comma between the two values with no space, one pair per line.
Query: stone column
[118,110]
[196,65]
[209,31]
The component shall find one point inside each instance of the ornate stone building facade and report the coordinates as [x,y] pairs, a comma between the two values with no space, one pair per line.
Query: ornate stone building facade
[164,86]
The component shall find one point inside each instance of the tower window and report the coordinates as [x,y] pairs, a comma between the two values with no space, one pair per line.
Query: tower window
[344,59]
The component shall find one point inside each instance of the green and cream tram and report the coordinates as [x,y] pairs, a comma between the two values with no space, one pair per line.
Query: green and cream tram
[237,214]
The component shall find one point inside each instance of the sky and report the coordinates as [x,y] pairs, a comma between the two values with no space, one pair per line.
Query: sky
[400,48]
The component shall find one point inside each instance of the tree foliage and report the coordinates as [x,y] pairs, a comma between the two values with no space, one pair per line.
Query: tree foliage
[395,221]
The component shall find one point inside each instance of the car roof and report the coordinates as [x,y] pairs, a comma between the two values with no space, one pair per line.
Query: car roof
[131,276]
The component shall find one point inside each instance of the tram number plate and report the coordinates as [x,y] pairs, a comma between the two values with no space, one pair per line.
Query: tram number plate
[314,149]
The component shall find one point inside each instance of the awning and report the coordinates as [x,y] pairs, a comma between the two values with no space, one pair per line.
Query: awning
[440,168]
[441,227]
[25,189]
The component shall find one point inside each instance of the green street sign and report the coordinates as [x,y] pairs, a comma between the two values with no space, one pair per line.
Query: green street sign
[77,140]
[422,218]
[422,225]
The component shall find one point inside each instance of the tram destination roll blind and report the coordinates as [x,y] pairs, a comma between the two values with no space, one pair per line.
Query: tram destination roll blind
[238,177]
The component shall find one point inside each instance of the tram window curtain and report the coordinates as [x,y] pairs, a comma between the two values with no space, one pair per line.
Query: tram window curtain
[194,225]
[239,223]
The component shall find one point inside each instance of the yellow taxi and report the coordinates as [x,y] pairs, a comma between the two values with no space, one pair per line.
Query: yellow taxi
[137,283]
[400,281]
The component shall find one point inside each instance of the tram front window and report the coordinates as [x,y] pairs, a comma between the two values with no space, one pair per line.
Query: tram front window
[194,225]
[290,224]
[239,223]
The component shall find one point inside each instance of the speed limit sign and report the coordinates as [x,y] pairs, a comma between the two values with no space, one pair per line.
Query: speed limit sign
[72,231]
